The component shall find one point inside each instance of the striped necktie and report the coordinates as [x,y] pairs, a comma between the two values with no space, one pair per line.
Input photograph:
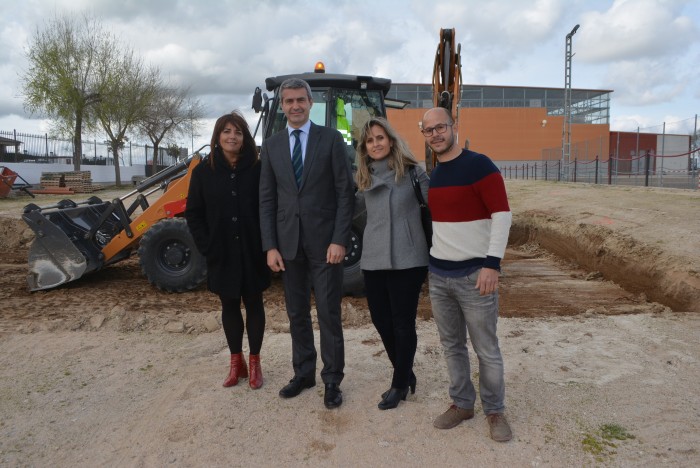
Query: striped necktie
[297,163]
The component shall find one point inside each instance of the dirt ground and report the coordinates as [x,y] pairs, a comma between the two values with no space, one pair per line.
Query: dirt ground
[599,302]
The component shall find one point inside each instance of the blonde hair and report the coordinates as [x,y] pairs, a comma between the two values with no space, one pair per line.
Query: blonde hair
[400,156]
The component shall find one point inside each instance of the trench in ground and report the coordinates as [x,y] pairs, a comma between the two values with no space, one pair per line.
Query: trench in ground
[581,272]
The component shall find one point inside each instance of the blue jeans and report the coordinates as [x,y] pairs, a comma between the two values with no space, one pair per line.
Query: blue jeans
[460,311]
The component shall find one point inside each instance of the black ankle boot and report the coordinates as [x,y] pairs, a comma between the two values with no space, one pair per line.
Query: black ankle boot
[393,397]
[411,383]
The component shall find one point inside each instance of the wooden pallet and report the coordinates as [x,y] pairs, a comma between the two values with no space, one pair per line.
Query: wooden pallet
[77,181]
[55,191]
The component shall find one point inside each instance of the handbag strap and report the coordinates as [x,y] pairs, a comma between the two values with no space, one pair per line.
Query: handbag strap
[416,186]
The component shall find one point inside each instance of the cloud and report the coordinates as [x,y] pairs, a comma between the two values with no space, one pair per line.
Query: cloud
[223,49]
[645,82]
[635,29]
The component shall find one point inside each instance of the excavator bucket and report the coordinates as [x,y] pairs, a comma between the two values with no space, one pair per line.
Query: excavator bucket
[53,259]
[68,240]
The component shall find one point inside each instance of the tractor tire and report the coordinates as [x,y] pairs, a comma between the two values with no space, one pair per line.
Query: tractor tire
[353,280]
[169,258]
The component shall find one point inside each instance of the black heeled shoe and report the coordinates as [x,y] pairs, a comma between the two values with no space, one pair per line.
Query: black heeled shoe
[393,397]
[411,383]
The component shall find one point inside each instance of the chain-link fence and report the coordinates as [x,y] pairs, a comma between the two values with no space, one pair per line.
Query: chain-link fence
[659,156]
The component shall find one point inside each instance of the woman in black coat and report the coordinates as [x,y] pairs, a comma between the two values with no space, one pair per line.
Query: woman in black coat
[222,215]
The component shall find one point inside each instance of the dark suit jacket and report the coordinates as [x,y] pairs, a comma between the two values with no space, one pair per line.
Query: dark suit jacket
[322,206]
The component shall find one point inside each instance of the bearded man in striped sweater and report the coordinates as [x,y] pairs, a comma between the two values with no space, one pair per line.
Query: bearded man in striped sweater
[471,222]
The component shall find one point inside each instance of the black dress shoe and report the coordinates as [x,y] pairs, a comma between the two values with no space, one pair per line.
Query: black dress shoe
[393,397]
[333,397]
[296,385]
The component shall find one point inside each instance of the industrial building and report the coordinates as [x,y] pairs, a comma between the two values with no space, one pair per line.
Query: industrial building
[512,124]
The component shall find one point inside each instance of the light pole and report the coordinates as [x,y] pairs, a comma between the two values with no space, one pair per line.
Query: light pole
[566,134]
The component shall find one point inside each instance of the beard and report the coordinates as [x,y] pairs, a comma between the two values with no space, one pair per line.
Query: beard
[448,143]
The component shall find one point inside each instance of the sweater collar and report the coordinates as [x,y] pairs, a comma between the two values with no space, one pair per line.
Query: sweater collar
[379,167]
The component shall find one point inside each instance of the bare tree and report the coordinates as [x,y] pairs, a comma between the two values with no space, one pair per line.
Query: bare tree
[66,77]
[130,90]
[170,114]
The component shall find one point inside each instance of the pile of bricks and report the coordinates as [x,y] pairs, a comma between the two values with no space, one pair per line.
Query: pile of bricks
[67,182]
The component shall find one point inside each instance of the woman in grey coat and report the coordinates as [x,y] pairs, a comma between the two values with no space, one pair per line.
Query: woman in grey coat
[394,249]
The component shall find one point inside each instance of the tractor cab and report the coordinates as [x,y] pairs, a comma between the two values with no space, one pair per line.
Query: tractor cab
[343,102]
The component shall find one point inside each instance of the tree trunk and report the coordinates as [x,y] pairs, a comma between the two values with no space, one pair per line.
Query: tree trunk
[155,157]
[77,142]
[117,175]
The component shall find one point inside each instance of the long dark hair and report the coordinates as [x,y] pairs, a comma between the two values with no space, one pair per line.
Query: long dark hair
[235,118]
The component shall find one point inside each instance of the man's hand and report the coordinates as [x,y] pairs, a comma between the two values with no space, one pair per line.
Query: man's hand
[274,260]
[487,282]
[335,254]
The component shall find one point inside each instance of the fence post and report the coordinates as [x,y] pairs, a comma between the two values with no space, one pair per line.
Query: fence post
[559,170]
[596,169]
[646,169]
[535,171]
[527,174]
[545,171]
[575,165]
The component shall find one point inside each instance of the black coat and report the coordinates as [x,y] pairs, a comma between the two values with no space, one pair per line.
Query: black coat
[223,216]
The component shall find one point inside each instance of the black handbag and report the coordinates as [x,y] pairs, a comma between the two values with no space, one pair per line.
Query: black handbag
[425,218]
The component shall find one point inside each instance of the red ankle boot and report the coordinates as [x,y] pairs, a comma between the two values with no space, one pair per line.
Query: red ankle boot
[238,370]
[256,377]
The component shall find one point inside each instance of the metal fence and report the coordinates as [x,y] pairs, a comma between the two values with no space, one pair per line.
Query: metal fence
[647,170]
[24,147]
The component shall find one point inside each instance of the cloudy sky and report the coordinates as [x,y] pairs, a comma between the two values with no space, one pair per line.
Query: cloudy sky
[646,51]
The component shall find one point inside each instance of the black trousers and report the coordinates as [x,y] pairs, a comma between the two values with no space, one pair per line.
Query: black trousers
[232,321]
[392,297]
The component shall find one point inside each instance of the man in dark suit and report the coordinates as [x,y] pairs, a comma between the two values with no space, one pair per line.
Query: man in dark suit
[306,207]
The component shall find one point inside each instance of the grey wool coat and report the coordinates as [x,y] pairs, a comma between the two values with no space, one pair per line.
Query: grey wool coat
[393,237]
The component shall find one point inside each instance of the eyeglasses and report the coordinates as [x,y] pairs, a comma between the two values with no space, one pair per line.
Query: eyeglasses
[439,128]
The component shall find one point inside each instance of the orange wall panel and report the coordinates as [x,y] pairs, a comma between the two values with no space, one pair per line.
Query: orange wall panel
[405,122]
[505,134]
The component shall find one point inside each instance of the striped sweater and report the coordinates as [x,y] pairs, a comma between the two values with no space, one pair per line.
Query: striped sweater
[471,216]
